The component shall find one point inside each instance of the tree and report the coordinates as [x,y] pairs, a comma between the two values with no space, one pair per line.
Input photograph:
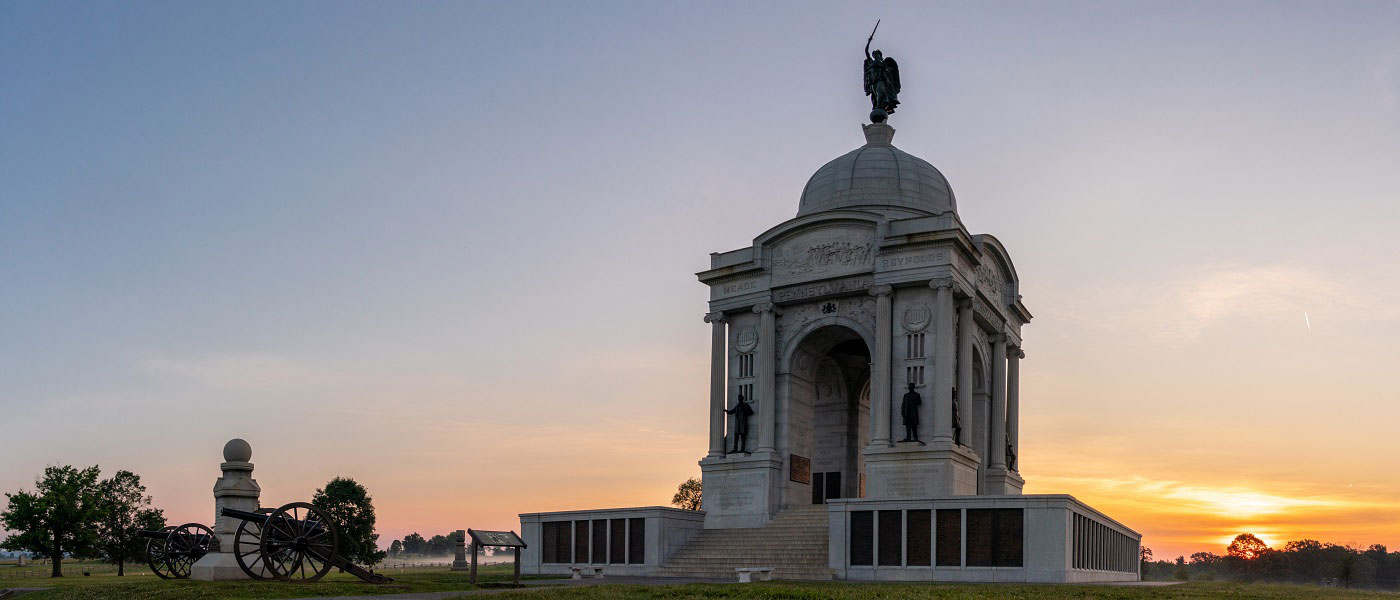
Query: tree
[1180,573]
[59,518]
[1246,546]
[125,510]
[688,495]
[353,510]
[1144,556]
[414,544]
[395,549]
[439,545]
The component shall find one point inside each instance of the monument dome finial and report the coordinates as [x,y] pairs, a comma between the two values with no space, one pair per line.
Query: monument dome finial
[238,450]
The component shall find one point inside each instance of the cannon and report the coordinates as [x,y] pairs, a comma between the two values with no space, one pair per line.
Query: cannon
[171,551]
[294,542]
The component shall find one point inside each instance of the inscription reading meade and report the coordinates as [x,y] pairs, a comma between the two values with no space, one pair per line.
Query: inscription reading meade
[738,287]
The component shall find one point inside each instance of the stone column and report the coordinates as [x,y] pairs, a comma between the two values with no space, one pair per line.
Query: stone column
[238,490]
[719,358]
[1013,403]
[880,370]
[965,384]
[944,347]
[998,460]
[767,367]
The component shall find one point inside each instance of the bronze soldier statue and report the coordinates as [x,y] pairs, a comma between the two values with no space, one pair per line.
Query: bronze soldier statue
[957,419]
[881,81]
[909,411]
[741,411]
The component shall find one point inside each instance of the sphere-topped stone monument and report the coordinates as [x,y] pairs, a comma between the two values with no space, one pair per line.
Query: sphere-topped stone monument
[238,490]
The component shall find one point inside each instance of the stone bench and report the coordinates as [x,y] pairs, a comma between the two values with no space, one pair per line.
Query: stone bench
[746,573]
[581,572]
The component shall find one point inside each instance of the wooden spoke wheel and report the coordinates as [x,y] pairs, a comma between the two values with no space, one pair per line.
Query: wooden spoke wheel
[155,555]
[247,549]
[299,542]
[185,545]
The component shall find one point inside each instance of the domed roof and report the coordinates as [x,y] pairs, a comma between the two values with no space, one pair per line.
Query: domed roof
[878,175]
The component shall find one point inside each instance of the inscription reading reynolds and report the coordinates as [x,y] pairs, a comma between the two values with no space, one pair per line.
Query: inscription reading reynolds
[913,260]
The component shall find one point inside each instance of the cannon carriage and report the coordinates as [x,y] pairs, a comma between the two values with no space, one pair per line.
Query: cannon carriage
[171,551]
[294,542]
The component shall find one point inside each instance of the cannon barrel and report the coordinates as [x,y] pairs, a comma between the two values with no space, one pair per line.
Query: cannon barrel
[161,534]
[243,515]
[255,517]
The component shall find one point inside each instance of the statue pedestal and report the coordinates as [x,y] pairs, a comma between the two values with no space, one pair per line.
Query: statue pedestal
[1003,482]
[912,470]
[742,489]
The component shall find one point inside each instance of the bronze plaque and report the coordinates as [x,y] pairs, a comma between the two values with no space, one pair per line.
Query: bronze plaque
[801,470]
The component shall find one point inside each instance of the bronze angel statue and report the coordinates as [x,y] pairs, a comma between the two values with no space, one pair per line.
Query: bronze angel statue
[881,78]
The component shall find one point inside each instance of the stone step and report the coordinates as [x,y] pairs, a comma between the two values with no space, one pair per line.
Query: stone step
[794,545]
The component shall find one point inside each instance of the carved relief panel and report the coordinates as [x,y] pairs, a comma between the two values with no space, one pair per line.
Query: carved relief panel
[821,253]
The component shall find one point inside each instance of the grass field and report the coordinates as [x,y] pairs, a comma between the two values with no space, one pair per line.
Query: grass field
[334,584]
[439,580]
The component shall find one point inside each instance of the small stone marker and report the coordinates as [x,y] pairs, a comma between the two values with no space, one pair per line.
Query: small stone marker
[459,562]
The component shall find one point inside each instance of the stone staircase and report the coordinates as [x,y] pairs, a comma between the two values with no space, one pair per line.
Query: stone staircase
[794,545]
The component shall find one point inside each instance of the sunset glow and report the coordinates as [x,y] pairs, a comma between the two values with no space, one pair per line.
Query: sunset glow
[449,249]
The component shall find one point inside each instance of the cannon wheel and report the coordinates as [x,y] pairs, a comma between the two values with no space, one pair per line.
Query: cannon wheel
[187,544]
[247,549]
[299,542]
[155,555]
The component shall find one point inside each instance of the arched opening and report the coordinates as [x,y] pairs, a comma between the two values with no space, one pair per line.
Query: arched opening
[827,384]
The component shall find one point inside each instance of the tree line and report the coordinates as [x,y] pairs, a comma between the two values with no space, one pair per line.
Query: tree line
[73,513]
[415,545]
[1248,558]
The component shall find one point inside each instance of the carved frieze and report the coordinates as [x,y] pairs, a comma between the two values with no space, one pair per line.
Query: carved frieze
[990,280]
[821,253]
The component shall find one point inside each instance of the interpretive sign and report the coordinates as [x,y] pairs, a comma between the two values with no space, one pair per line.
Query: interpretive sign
[507,539]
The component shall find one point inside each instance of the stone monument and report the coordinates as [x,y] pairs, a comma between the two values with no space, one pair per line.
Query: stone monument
[238,490]
[873,344]
[459,542]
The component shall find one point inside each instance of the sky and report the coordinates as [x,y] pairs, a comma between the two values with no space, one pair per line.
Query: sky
[448,248]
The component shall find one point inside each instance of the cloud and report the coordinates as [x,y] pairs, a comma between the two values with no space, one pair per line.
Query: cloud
[1183,307]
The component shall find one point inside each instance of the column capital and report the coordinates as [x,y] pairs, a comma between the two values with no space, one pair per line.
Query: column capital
[714,317]
[1015,352]
[965,304]
[941,282]
[763,307]
[881,290]
[997,338]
